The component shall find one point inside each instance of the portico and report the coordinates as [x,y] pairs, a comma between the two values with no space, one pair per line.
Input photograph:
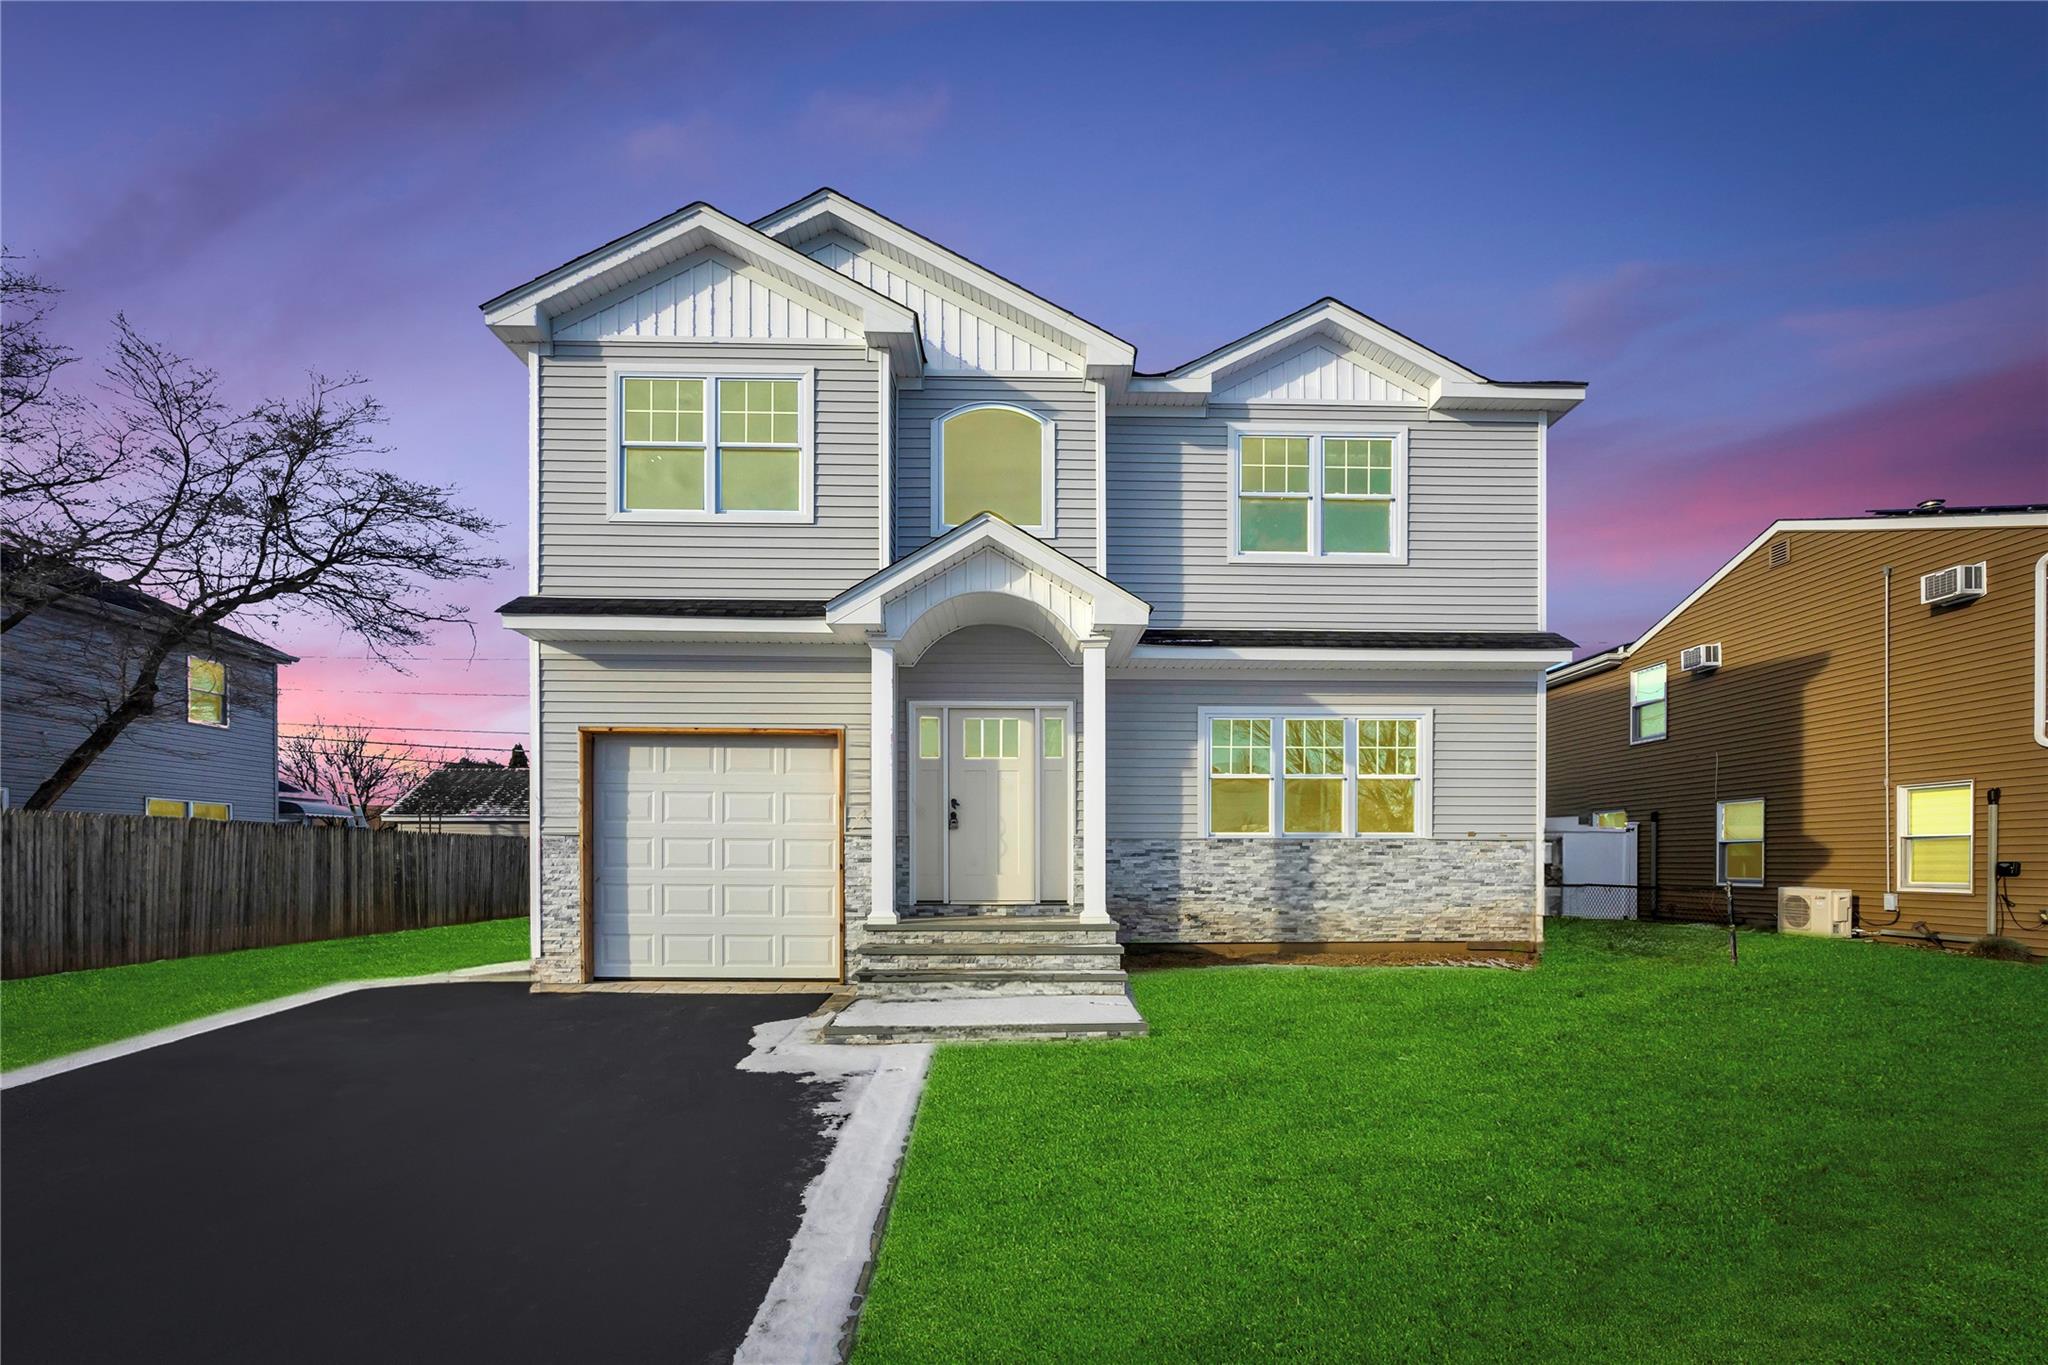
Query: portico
[984,782]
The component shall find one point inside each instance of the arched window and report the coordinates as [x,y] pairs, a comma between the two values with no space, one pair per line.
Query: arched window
[992,458]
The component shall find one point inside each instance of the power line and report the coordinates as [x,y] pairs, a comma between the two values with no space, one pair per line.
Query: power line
[320,743]
[411,729]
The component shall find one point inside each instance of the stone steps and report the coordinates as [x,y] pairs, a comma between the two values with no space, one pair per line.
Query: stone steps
[1004,929]
[966,955]
[899,983]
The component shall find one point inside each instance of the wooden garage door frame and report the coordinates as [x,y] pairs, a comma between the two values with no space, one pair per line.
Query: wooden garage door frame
[587,737]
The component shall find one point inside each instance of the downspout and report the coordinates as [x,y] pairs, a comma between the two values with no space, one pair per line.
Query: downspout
[1991,862]
[1891,900]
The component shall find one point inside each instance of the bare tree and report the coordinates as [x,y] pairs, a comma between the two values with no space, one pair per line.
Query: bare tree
[233,516]
[345,763]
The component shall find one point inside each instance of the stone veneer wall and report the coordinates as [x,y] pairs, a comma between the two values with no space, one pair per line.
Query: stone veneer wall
[561,889]
[1322,890]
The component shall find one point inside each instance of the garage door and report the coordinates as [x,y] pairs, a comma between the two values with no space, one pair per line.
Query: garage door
[718,856]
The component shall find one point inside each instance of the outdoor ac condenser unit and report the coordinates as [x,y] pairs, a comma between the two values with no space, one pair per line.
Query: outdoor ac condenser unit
[1813,910]
[1700,658]
[1956,583]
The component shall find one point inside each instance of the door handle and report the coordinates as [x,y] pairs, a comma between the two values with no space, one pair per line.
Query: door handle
[953,813]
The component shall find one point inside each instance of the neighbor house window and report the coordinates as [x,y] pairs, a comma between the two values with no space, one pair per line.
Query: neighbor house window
[1739,843]
[1319,495]
[1610,819]
[704,446]
[993,458]
[186,810]
[1337,776]
[1646,717]
[1936,833]
[206,691]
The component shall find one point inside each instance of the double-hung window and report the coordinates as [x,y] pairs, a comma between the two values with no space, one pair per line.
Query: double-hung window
[712,447]
[206,692]
[1319,495]
[1937,832]
[1317,776]
[172,809]
[1739,843]
[1646,714]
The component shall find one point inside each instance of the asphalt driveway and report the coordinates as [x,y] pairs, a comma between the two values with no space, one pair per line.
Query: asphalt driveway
[458,1172]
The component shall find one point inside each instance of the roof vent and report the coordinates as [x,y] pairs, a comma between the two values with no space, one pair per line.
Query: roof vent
[1930,504]
[1956,583]
[1781,551]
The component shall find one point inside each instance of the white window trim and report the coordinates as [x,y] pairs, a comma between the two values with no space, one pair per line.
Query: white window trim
[1899,858]
[1048,456]
[227,710]
[1425,778]
[616,376]
[1721,842]
[1397,518]
[1633,704]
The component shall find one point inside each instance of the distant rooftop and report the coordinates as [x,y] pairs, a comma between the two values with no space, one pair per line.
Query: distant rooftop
[480,791]
[1938,507]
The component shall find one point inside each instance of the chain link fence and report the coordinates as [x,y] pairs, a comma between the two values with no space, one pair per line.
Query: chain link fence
[1680,904]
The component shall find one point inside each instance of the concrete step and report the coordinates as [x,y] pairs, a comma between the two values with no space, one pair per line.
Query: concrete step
[990,929]
[897,983]
[1018,957]
[987,1018]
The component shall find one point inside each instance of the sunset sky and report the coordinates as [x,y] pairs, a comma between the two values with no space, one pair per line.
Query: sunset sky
[1800,254]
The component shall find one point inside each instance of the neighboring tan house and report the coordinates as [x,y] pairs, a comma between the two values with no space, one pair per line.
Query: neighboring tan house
[1856,704]
[208,752]
[843,542]
[464,797]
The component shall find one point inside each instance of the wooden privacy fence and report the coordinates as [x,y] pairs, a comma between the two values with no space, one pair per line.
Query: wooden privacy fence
[104,890]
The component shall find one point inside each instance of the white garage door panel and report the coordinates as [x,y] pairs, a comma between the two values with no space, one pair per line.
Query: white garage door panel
[718,856]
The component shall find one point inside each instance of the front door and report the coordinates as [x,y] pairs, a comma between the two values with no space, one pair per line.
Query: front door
[992,808]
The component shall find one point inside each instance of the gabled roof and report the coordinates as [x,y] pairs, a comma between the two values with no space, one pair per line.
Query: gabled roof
[475,791]
[1903,519]
[522,316]
[862,602]
[1441,381]
[828,210]
[75,589]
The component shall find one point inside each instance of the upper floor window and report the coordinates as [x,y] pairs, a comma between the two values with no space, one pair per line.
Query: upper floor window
[1318,495]
[206,691]
[992,458]
[1646,716]
[1937,832]
[698,447]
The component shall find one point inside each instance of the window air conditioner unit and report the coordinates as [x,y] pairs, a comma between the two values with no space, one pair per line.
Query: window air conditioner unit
[1956,583]
[1700,658]
[1814,910]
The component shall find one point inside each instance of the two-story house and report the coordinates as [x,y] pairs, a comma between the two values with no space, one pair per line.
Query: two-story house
[207,752]
[890,625]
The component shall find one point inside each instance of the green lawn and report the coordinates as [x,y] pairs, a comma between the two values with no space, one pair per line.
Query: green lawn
[1832,1151]
[48,1016]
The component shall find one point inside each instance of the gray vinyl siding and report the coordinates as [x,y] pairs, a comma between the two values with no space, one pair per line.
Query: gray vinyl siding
[1068,403]
[683,685]
[60,665]
[1484,759]
[1473,528]
[584,553]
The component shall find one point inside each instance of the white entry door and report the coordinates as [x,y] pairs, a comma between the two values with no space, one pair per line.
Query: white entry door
[992,808]
[717,856]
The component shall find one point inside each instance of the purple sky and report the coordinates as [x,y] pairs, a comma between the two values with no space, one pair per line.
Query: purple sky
[1800,253]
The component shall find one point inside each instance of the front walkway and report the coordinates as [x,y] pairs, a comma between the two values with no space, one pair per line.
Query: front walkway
[453,1172]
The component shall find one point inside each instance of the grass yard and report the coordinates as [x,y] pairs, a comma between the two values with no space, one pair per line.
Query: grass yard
[1635,1151]
[47,1016]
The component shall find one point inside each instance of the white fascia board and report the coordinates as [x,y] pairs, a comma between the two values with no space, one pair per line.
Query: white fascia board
[879,316]
[553,629]
[1315,317]
[1967,521]
[1555,400]
[861,605]
[1100,349]
[1215,656]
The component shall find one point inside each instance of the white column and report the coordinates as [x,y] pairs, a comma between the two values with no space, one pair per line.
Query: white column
[882,782]
[1095,782]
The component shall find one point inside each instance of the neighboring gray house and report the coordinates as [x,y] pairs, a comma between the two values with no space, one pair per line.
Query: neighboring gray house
[842,542]
[210,750]
[464,797]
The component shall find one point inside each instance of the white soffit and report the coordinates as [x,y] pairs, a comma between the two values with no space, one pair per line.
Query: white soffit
[1316,371]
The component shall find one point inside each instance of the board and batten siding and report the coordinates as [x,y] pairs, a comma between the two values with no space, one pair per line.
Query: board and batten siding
[1473,527]
[586,553]
[631,683]
[1068,403]
[58,666]
[1483,769]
